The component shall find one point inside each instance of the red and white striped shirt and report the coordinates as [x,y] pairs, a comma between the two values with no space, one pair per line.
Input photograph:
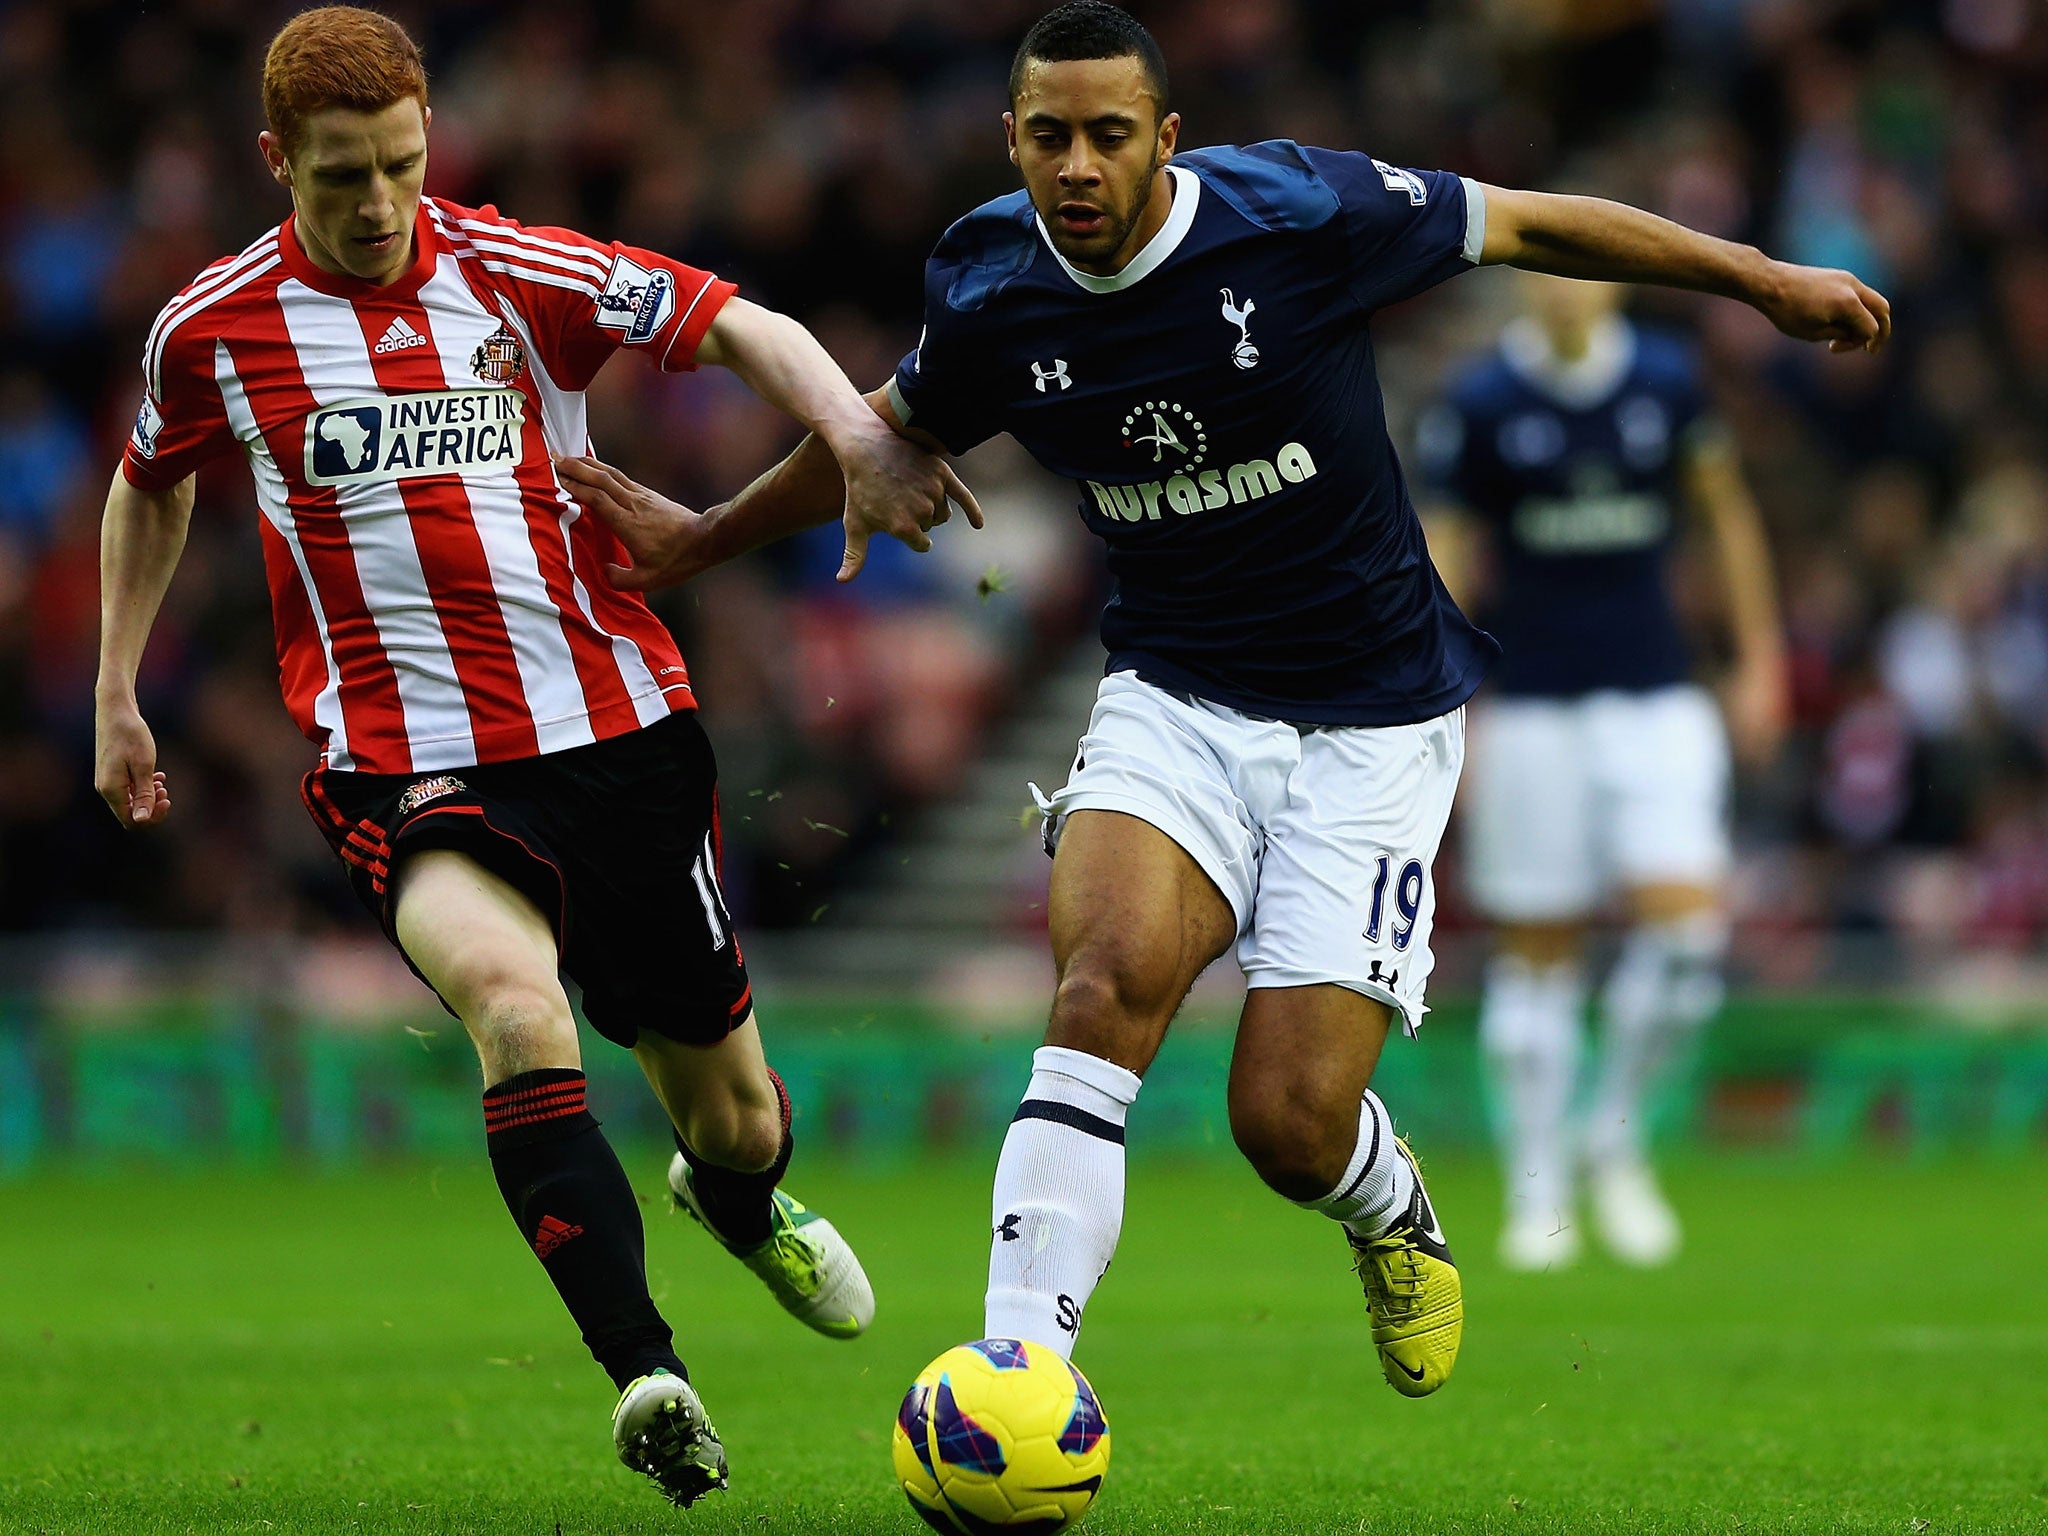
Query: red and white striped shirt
[440,600]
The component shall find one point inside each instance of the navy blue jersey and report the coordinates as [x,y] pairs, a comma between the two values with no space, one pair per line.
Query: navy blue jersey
[1217,405]
[1574,470]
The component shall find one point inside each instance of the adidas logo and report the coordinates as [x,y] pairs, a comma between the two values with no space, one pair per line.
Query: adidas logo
[399,337]
[552,1233]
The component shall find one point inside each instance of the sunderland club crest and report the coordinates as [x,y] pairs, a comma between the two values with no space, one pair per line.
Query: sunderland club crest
[500,359]
[421,791]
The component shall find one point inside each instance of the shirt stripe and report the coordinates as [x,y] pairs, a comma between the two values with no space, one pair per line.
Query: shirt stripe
[262,252]
[480,230]
[242,279]
[359,677]
[454,564]
[375,530]
[533,275]
[543,503]
[555,692]
[579,267]
[586,548]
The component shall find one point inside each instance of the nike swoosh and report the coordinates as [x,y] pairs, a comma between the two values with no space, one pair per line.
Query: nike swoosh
[1411,1375]
[1435,1230]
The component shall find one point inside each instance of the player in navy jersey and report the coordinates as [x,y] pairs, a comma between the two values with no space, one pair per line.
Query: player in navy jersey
[1565,461]
[1272,756]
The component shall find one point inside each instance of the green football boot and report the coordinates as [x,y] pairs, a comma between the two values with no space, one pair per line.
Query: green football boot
[659,1429]
[805,1262]
[1413,1293]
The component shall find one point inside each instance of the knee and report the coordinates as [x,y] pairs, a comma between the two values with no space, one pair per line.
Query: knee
[1299,1145]
[752,1143]
[520,1025]
[1104,1006]
[1094,991]
[738,1132]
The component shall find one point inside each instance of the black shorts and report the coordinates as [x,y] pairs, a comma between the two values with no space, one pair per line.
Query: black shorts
[616,842]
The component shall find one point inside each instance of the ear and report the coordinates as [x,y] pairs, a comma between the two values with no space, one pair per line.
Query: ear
[1169,136]
[1010,134]
[272,149]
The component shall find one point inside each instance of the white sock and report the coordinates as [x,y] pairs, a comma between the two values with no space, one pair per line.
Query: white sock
[1378,1185]
[1529,1027]
[1666,984]
[1059,1197]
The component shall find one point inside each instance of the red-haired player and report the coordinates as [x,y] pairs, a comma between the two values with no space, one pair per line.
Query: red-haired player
[510,762]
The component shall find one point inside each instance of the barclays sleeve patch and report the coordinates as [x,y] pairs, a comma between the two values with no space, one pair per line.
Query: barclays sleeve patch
[636,301]
[149,425]
[1403,181]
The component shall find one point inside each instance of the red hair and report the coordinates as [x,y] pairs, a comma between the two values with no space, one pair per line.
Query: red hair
[338,56]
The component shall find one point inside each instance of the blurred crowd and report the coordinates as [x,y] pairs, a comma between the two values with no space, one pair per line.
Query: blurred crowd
[812,150]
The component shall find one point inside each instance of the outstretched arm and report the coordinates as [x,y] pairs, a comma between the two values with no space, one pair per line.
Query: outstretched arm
[670,544]
[890,485]
[141,538]
[1589,237]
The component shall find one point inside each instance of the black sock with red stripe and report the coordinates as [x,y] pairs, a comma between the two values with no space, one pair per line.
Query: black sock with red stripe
[740,1205]
[565,1188]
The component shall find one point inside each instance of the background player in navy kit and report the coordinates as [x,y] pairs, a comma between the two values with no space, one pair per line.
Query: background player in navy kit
[1272,757]
[1563,460]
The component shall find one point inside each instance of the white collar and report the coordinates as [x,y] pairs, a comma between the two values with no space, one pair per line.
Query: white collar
[1187,191]
[1582,383]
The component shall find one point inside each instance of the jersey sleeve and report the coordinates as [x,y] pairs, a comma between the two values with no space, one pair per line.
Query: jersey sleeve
[588,299]
[1404,231]
[182,421]
[940,387]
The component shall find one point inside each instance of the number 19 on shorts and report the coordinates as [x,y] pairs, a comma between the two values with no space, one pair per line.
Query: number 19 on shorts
[1405,890]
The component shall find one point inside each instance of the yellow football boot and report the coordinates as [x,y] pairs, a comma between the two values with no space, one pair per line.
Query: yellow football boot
[1414,1295]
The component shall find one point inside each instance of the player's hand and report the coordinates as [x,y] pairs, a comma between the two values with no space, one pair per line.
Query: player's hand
[124,767]
[1821,304]
[895,487]
[1757,702]
[668,542]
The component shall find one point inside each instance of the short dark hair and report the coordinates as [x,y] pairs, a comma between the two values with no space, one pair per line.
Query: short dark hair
[1091,29]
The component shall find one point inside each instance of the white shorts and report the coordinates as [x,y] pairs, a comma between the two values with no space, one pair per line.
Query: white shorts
[1320,837]
[1573,799]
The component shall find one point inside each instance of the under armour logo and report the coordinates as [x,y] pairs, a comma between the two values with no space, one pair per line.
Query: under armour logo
[1008,1230]
[1069,1319]
[1244,354]
[1055,374]
[1390,979]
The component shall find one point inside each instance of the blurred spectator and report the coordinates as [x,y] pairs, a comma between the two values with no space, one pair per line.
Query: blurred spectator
[43,458]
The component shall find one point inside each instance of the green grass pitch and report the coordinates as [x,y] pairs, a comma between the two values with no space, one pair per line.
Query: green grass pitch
[1857,1348]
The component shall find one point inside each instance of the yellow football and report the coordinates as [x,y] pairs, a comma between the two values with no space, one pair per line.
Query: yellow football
[1000,1435]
